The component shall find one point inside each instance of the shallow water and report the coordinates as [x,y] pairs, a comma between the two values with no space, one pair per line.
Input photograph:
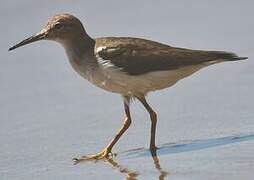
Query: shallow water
[48,114]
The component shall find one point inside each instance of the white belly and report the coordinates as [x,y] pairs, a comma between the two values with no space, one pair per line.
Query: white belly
[114,80]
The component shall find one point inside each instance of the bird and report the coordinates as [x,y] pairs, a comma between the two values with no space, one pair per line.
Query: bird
[131,67]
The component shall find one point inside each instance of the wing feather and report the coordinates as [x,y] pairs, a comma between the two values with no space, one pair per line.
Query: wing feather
[139,56]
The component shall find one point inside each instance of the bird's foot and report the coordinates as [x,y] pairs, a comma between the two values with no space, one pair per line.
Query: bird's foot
[104,154]
[153,150]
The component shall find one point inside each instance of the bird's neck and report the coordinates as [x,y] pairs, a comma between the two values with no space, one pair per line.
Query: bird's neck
[80,52]
[78,46]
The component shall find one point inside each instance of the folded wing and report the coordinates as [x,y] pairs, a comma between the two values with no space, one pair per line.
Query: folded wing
[139,56]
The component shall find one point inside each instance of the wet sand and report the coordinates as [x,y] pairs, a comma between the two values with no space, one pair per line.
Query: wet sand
[48,114]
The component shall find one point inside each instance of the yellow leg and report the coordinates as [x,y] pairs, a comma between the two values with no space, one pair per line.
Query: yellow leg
[153,117]
[107,150]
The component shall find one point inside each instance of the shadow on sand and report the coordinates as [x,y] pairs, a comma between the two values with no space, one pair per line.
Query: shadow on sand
[186,146]
[170,148]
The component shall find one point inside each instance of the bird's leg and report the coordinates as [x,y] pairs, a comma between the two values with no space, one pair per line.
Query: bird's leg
[153,117]
[107,150]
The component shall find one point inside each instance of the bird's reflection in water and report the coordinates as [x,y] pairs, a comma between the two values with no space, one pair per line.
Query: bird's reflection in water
[132,174]
[157,165]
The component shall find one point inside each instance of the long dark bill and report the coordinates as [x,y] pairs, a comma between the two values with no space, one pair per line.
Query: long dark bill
[31,39]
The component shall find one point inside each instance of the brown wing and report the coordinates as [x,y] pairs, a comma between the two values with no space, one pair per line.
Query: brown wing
[138,56]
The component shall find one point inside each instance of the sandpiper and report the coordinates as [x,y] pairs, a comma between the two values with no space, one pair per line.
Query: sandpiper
[131,67]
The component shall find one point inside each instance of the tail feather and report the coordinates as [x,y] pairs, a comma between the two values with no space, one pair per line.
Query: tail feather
[227,56]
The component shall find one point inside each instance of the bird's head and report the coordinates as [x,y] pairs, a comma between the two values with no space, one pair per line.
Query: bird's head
[62,28]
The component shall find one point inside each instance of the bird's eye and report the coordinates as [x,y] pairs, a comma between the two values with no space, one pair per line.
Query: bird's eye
[58,26]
